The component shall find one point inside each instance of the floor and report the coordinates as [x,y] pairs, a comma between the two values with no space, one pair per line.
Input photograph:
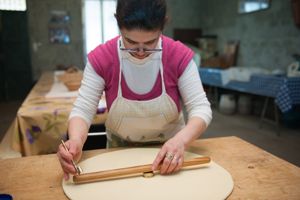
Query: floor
[8,112]
[285,146]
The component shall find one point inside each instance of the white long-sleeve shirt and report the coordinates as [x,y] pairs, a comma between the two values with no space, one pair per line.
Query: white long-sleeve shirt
[140,76]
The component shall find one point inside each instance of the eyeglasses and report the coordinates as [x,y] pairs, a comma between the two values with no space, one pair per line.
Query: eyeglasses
[138,49]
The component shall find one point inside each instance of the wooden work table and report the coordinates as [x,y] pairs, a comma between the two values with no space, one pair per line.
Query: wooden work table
[257,174]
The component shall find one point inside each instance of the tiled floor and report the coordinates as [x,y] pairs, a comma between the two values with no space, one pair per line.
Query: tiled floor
[285,146]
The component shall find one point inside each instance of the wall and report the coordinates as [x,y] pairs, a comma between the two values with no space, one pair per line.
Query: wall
[183,14]
[44,55]
[15,72]
[2,82]
[267,38]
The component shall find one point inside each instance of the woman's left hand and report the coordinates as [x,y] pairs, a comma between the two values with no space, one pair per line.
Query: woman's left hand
[170,156]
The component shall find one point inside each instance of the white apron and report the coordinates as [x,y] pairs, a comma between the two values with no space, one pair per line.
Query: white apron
[154,120]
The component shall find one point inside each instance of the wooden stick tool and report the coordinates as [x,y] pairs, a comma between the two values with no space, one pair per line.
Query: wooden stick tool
[141,170]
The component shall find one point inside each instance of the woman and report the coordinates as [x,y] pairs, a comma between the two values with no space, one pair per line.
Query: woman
[146,76]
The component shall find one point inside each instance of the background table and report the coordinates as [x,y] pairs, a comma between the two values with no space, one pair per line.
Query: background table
[257,174]
[281,90]
[285,90]
[41,122]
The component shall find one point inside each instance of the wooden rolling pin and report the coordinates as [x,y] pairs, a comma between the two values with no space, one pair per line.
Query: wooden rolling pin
[141,170]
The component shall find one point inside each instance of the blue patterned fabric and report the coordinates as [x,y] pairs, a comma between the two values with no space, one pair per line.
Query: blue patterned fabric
[285,91]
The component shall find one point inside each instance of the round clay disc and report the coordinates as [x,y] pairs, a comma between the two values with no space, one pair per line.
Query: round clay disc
[208,182]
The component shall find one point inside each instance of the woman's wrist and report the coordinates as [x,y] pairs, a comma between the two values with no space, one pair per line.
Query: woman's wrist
[78,129]
[79,141]
[193,130]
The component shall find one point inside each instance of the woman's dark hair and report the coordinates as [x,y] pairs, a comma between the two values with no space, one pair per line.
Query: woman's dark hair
[141,14]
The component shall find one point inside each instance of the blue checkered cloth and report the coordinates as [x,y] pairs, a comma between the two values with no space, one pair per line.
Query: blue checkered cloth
[289,94]
[285,91]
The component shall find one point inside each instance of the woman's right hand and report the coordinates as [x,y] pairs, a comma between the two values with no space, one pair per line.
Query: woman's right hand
[65,157]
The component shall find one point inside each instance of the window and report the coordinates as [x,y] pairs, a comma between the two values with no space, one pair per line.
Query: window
[99,21]
[13,5]
[246,6]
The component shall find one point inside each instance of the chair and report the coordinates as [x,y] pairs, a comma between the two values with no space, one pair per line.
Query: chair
[226,59]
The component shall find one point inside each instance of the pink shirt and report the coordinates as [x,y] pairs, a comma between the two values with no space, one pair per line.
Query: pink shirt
[175,59]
